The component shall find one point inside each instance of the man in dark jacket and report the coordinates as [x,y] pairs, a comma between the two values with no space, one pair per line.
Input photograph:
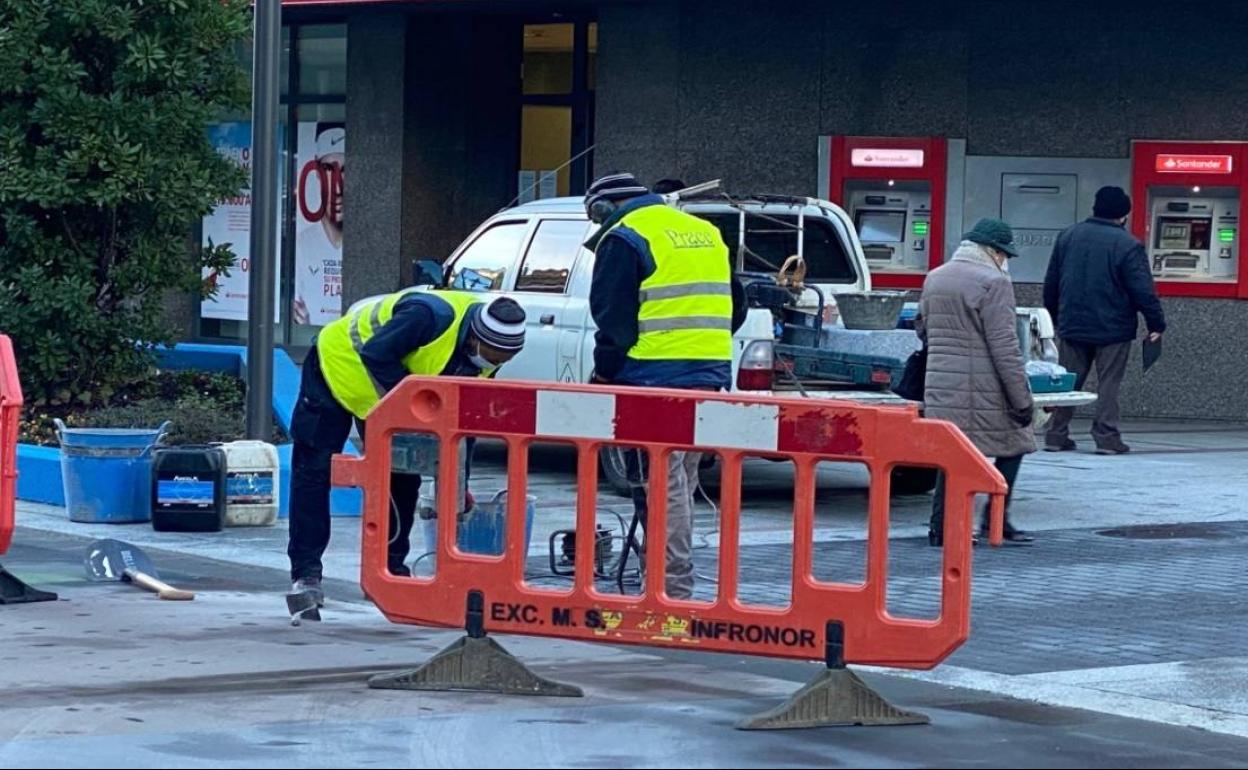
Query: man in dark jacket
[666,305]
[623,261]
[1097,283]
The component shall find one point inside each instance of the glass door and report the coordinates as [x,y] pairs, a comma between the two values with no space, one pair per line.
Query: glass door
[557,112]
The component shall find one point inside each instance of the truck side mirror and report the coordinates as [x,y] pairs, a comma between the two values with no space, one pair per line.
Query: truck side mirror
[426,272]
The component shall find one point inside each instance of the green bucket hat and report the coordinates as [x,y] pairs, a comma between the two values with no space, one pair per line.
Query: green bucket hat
[994,233]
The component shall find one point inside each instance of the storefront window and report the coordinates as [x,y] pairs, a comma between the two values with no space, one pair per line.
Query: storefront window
[312,138]
[548,67]
[546,145]
[323,60]
[557,113]
[225,316]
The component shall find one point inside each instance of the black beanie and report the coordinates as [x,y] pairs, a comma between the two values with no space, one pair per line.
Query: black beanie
[500,324]
[614,187]
[1111,203]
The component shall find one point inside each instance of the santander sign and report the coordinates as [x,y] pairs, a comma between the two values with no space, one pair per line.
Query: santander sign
[885,158]
[1194,164]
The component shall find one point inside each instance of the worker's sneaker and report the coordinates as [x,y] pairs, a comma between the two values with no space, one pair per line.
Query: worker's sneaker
[1112,447]
[311,586]
[1067,445]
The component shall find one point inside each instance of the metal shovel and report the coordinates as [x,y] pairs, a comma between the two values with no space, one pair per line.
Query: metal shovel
[113,560]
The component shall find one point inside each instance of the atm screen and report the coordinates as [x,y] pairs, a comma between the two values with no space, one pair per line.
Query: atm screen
[881,226]
[1187,233]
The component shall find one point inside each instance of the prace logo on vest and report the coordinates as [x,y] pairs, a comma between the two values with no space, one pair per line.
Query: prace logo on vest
[689,240]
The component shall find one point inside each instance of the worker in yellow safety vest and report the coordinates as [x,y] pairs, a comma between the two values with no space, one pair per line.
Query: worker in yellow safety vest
[356,360]
[666,305]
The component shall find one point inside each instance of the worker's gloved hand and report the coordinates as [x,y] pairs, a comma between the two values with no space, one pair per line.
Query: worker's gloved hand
[594,379]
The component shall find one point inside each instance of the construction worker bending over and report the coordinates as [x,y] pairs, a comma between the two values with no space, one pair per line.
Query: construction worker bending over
[358,359]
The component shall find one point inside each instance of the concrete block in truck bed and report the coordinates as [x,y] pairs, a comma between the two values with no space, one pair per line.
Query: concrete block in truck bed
[890,343]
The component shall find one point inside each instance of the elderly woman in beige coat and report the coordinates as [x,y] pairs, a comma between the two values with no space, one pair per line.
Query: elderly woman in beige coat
[975,371]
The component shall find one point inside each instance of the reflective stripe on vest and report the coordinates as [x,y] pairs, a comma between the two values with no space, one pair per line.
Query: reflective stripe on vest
[340,343]
[685,322]
[686,304]
[685,290]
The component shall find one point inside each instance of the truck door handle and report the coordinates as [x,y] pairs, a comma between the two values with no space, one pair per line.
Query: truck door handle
[548,319]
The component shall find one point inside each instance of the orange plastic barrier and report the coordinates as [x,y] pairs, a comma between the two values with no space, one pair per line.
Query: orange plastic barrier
[10,415]
[805,431]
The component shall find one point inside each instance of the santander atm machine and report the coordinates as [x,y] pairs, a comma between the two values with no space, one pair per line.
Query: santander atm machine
[1194,235]
[893,224]
[894,189]
[1189,203]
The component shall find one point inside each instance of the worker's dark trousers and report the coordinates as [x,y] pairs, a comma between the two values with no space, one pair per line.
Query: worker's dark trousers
[1111,365]
[319,428]
[1009,469]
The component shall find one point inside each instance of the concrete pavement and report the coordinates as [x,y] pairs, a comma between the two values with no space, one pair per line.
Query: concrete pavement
[1114,641]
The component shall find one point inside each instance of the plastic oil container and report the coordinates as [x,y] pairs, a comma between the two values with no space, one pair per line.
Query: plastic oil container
[252,484]
[188,489]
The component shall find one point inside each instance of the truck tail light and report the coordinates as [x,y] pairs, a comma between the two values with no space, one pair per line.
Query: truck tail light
[757,369]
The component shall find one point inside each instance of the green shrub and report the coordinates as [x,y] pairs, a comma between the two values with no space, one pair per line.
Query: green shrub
[193,419]
[203,407]
[105,167]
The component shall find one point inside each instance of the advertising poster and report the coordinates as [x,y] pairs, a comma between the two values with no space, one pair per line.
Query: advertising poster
[320,159]
[230,223]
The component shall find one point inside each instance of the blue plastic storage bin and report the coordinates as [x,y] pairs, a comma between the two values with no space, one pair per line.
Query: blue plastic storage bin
[107,472]
[1052,383]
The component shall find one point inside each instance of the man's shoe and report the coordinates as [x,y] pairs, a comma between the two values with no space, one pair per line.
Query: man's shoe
[310,586]
[1114,447]
[400,570]
[936,539]
[1067,445]
[1010,535]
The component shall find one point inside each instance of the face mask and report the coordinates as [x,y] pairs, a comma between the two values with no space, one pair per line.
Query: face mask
[481,362]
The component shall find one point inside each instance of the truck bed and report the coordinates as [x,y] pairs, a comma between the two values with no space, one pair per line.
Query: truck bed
[1072,398]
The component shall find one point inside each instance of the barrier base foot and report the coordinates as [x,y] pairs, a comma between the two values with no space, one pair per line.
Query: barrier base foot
[836,698]
[477,664]
[14,591]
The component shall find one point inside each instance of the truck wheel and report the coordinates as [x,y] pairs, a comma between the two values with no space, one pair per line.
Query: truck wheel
[913,481]
[612,470]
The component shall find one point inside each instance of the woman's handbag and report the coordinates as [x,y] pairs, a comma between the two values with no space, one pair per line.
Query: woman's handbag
[910,386]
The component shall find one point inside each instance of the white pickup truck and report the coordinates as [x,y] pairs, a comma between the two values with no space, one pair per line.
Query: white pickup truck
[534,253]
